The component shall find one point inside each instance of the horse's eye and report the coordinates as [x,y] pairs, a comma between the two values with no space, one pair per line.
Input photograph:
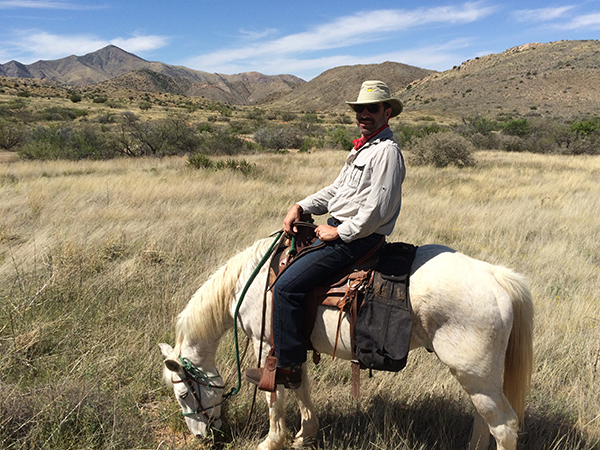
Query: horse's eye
[184,395]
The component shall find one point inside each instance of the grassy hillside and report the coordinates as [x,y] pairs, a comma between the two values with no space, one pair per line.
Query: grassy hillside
[556,79]
[98,257]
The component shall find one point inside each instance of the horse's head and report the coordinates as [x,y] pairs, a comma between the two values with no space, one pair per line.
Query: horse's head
[198,390]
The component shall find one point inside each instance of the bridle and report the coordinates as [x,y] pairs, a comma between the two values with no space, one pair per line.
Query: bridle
[193,378]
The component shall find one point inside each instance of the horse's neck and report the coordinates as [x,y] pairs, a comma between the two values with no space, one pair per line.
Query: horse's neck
[210,312]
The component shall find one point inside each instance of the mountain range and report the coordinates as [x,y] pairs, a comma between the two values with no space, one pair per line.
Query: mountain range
[550,79]
[127,70]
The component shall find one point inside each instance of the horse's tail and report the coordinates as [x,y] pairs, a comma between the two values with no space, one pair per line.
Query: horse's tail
[518,361]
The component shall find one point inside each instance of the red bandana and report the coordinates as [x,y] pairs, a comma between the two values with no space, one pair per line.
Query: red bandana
[358,143]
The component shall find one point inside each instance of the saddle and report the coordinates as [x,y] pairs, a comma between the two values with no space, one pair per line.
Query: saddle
[346,290]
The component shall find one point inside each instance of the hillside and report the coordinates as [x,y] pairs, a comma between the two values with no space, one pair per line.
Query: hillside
[333,87]
[558,79]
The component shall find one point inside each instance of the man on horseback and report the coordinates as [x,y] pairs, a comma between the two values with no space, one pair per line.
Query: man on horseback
[364,202]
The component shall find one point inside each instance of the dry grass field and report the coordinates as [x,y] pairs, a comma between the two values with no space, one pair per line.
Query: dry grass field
[97,258]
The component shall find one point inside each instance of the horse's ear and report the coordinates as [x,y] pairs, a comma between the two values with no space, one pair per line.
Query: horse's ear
[173,365]
[165,349]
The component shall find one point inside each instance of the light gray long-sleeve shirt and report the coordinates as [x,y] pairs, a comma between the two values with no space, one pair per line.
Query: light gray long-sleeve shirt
[367,194]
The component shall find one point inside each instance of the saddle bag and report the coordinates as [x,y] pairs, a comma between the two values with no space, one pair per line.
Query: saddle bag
[384,322]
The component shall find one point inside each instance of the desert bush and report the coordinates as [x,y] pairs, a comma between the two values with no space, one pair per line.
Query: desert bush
[516,127]
[586,127]
[287,116]
[60,142]
[11,135]
[58,113]
[441,150]
[312,142]
[239,127]
[170,136]
[405,133]
[75,97]
[278,137]
[485,141]
[222,142]
[340,137]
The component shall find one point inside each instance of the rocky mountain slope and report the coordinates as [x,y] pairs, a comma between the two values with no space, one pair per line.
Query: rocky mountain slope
[128,71]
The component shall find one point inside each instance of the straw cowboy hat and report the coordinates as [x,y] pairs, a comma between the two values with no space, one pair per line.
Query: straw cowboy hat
[374,91]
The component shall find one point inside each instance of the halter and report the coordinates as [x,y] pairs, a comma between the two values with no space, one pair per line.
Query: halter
[193,374]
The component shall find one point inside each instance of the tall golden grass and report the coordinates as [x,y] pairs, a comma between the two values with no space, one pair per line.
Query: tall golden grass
[97,258]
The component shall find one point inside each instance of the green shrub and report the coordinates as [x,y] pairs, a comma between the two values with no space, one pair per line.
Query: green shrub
[222,143]
[405,133]
[199,161]
[75,97]
[202,161]
[287,116]
[441,150]
[57,113]
[60,142]
[586,127]
[516,127]
[340,137]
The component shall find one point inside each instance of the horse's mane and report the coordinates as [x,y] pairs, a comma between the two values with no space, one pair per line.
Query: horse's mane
[208,313]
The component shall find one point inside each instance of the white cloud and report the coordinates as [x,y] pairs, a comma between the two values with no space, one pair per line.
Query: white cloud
[584,22]
[44,4]
[256,35]
[343,32]
[441,57]
[140,43]
[32,46]
[541,14]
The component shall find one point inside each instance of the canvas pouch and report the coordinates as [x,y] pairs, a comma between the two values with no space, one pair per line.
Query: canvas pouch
[384,321]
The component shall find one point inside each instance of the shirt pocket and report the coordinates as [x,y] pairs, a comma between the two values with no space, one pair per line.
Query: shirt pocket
[355,176]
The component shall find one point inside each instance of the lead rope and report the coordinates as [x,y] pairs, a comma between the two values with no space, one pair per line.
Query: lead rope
[237,310]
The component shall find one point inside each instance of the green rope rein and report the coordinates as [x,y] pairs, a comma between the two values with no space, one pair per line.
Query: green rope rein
[237,309]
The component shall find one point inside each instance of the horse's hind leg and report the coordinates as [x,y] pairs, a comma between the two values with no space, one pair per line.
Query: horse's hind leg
[480,436]
[309,425]
[499,417]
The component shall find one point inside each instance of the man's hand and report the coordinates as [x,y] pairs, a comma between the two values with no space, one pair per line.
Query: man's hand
[292,216]
[327,233]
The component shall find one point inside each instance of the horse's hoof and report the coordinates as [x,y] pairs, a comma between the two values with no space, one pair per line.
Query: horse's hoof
[304,443]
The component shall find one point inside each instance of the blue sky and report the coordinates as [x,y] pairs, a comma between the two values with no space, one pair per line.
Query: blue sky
[302,38]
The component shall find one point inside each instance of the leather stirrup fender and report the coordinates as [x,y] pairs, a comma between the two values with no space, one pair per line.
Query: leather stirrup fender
[267,380]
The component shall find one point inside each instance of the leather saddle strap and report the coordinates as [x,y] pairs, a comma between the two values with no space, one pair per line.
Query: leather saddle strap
[355,384]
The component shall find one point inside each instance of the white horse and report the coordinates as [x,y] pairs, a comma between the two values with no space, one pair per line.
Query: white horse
[476,317]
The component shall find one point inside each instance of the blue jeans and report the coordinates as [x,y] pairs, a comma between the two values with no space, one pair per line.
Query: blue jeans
[290,290]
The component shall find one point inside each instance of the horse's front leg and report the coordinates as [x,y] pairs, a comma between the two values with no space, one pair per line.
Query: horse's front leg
[277,432]
[309,425]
